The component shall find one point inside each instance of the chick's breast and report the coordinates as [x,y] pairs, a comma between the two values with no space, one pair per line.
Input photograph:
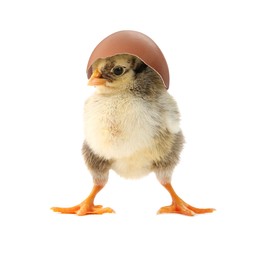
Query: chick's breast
[118,126]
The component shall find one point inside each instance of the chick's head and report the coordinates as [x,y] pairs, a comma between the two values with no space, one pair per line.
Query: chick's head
[124,72]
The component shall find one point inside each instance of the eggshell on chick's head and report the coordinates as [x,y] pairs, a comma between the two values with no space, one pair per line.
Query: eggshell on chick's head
[134,43]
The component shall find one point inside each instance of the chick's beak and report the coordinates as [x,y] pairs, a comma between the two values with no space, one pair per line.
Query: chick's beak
[95,79]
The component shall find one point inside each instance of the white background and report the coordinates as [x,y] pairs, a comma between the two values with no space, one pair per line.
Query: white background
[212,49]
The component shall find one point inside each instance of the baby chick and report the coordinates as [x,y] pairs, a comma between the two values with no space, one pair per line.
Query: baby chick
[131,126]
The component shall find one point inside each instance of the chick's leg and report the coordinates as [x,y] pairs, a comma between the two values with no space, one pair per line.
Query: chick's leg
[99,168]
[179,206]
[86,207]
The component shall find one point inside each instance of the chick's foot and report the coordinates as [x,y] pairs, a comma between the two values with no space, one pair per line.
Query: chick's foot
[86,207]
[184,209]
[181,207]
[83,209]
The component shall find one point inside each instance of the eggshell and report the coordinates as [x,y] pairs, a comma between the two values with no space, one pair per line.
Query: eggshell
[134,43]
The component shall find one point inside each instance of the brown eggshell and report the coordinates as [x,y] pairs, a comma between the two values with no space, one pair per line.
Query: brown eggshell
[134,43]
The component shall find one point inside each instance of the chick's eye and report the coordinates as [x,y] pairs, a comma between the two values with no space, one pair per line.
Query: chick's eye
[118,70]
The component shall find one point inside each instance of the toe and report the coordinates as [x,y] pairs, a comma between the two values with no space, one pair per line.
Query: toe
[71,210]
[176,209]
[199,210]
[95,210]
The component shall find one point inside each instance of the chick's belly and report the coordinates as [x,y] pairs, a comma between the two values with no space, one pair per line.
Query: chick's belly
[132,167]
[113,140]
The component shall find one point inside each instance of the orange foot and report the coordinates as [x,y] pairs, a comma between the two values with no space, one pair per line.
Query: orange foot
[87,207]
[184,209]
[181,207]
[83,209]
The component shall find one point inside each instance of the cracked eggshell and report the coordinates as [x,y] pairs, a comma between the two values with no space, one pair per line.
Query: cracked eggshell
[134,43]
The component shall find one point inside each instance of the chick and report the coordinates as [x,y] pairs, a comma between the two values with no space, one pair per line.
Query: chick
[131,126]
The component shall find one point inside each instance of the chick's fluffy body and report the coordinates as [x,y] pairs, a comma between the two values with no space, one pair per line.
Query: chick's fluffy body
[131,124]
